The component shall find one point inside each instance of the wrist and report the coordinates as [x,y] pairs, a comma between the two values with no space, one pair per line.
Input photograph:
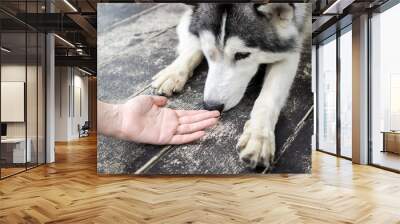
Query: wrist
[116,125]
[111,123]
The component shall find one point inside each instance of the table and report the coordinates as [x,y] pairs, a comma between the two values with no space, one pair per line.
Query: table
[15,148]
[391,141]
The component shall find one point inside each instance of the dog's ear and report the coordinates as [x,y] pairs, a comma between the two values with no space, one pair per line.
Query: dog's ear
[282,11]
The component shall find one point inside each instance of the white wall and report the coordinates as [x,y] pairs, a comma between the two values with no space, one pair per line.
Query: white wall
[69,82]
[50,94]
[62,81]
[314,90]
[80,83]
[12,101]
[12,73]
[33,126]
[16,73]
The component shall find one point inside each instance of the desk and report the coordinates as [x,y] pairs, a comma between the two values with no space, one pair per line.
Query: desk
[391,141]
[13,150]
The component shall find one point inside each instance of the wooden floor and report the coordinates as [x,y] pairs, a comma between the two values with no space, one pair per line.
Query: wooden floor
[10,171]
[387,159]
[70,191]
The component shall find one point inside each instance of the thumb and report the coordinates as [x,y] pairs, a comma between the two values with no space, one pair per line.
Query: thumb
[159,100]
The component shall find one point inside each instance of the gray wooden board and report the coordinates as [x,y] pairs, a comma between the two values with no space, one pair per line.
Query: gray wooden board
[130,54]
[108,18]
[217,154]
[297,159]
[122,157]
[126,70]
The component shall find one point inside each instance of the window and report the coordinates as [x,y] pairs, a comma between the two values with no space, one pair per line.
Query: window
[385,89]
[329,111]
[327,95]
[346,92]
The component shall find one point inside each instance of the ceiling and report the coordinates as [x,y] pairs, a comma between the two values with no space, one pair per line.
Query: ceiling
[76,22]
[330,15]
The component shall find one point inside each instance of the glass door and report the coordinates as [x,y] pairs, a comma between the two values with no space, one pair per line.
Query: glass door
[22,77]
[14,155]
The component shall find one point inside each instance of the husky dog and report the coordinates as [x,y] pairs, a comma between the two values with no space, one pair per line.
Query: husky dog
[235,39]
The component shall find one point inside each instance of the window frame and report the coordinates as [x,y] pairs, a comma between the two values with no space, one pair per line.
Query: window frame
[378,10]
[347,27]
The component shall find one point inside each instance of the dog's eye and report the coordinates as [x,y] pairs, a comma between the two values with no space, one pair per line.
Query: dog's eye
[241,55]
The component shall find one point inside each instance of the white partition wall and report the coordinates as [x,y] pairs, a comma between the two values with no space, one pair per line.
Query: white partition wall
[71,102]
[12,100]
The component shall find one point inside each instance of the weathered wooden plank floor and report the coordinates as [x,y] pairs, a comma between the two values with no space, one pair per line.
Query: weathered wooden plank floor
[136,41]
[71,191]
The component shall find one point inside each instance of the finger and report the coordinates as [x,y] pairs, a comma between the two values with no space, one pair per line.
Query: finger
[198,117]
[159,100]
[182,113]
[182,139]
[198,126]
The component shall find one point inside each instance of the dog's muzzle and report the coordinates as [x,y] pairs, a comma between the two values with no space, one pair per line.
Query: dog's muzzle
[213,106]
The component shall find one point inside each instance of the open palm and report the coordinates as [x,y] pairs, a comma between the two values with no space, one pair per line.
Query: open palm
[146,120]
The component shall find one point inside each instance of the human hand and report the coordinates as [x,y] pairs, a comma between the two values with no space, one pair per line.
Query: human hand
[144,119]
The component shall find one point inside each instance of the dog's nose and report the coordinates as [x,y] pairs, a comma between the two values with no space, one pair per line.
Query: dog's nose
[213,106]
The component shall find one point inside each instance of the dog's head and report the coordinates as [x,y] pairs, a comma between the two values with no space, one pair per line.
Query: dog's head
[237,38]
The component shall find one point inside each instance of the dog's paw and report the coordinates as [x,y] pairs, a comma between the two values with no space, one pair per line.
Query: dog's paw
[257,146]
[170,80]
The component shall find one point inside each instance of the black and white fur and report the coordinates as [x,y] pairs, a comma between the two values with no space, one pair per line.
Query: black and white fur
[236,39]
